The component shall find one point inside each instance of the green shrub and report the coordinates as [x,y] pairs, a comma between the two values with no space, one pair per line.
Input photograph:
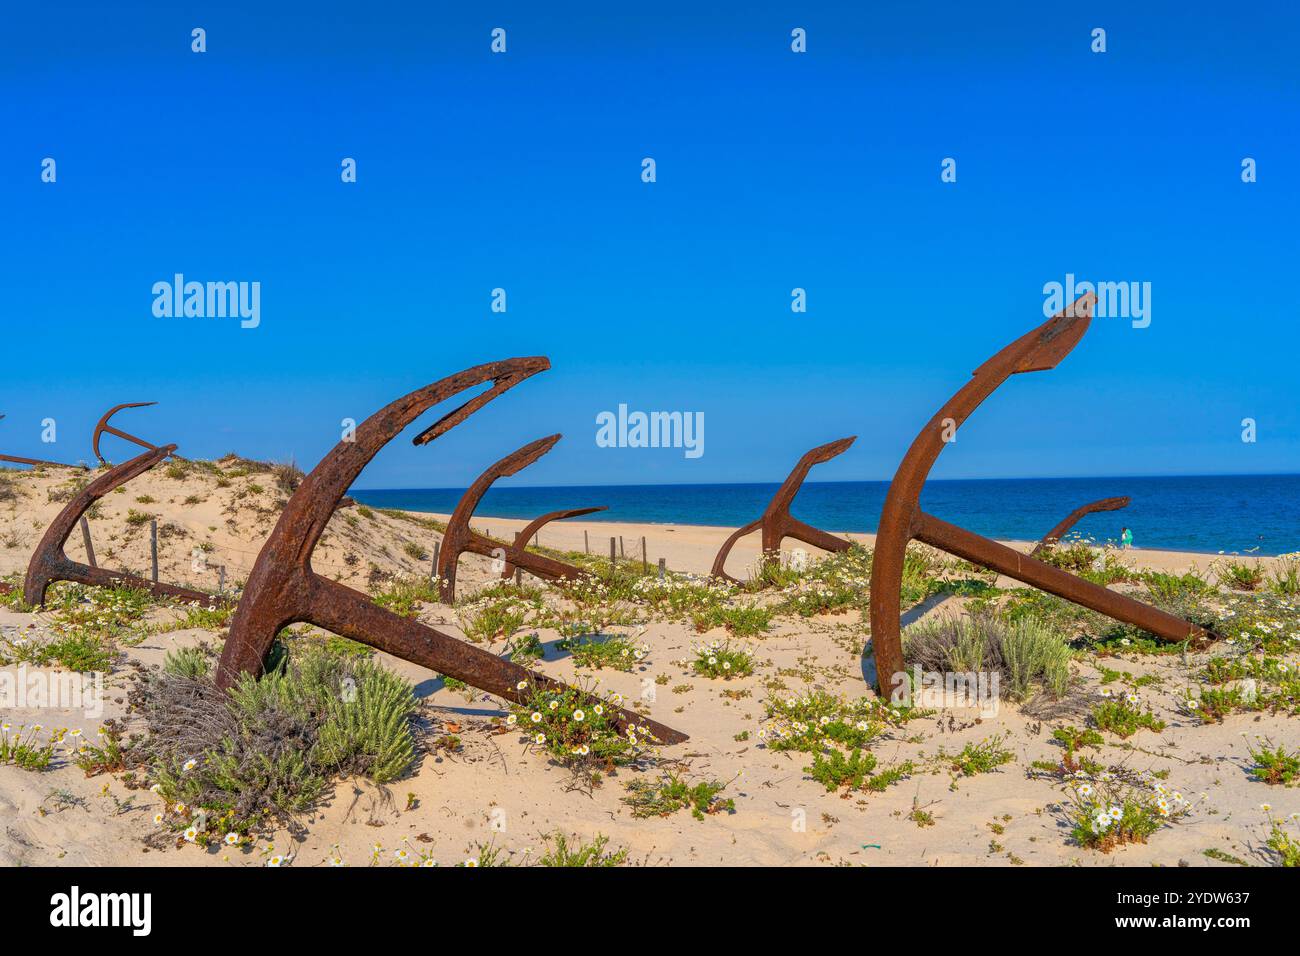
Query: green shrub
[671,793]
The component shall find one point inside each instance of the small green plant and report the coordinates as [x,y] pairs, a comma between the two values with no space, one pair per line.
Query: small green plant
[810,722]
[741,620]
[527,648]
[598,651]
[671,793]
[983,757]
[1283,842]
[191,662]
[581,854]
[833,770]
[404,596]
[1109,813]
[1124,715]
[493,617]
[1073,740]
[136,518]
[577,727]
[19,746]
[415,552]
[107,756]
[719,659]
[1275,764]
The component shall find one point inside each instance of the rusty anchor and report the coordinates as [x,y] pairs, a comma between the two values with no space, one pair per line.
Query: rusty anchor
[49,563]
[102,427]
[38,462]
[283,589]
[536,525]
[777,522]
[901,518]
[1070,520]
[459,537]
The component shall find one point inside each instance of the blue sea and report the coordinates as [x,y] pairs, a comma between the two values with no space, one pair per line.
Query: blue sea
[1257,514]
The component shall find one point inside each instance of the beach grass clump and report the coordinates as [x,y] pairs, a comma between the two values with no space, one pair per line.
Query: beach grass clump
[577,728]
[1285,579]
[1124,715]
[579,853]
[1027,654]
[24,747]
[231,763]
[721,659]
[599,651]
[287,476]
[1112,811]
[1274,763]
[669,794]
[1239,575]
[834,770]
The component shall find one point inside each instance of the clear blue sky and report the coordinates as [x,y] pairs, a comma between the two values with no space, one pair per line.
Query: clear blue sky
[775,170]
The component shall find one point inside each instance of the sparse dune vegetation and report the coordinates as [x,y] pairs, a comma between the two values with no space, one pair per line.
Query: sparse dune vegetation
[1095,742]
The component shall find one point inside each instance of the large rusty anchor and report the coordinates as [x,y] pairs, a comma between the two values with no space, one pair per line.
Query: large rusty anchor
[49,563]
[902,519]
[283,589]
[777,522]
[459,537]
[37,462]
[1070,520]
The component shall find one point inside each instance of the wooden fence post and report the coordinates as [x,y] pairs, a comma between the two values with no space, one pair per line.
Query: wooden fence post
[153,548]
[90,548]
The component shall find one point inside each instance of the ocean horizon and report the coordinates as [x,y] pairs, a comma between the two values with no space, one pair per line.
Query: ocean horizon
[1244,514]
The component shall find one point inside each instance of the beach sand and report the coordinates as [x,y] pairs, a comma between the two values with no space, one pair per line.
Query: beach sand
[495,792]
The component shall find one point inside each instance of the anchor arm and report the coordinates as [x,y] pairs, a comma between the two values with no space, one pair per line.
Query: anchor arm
[1070,520]
[530,529]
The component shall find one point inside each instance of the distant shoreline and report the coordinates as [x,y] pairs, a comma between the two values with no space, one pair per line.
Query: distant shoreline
[1208,515]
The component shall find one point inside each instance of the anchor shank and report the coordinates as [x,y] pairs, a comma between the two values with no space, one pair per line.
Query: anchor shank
[344,611]
[954,540]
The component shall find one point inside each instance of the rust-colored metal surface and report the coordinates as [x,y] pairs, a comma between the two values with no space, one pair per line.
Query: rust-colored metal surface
[1070,520]
[777,523]
[459,537]
[282,588]
[102,427]
[37,462]
[902,519]
[536,525]
[49,563]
